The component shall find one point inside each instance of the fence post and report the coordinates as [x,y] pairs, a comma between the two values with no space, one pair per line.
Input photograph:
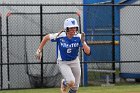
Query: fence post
[1,50]
[41,32]
[113,40]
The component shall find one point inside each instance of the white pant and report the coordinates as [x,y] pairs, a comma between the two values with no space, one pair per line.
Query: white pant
[71,71]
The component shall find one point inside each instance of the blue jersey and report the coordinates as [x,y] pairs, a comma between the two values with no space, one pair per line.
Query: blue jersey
[67,49]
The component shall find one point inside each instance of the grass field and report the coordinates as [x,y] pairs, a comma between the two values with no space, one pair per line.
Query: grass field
[93,89]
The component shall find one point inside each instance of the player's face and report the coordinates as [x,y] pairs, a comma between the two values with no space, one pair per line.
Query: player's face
[72,31]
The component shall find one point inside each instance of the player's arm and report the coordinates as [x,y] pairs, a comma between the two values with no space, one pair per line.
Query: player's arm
[41,45]
[46,38]
[43,42]
[86,49]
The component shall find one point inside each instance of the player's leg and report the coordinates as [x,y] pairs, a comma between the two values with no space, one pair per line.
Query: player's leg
[76,70]
[69,79]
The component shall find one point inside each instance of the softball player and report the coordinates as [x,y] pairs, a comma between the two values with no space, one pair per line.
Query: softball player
[68,43]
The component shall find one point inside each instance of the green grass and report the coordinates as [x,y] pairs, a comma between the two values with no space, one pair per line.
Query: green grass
[91,89]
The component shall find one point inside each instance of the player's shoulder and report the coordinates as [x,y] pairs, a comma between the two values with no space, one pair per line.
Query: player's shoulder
[77,35]
[56,35]
[63,34]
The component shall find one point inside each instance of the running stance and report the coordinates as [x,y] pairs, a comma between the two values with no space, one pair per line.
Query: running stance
[68,43]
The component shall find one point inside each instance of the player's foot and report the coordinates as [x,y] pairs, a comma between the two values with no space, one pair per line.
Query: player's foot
[63,86]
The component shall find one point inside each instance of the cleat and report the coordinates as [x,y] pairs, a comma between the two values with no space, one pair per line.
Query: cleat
[63,86]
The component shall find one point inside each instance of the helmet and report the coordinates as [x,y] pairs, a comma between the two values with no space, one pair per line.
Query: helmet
[70,22]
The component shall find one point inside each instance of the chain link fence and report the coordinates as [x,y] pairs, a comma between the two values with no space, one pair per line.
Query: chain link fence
[112,37]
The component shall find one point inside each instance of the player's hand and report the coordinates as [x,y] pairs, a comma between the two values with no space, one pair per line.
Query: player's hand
[38,54]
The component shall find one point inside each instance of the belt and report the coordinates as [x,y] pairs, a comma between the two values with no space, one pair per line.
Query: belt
[69,59]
